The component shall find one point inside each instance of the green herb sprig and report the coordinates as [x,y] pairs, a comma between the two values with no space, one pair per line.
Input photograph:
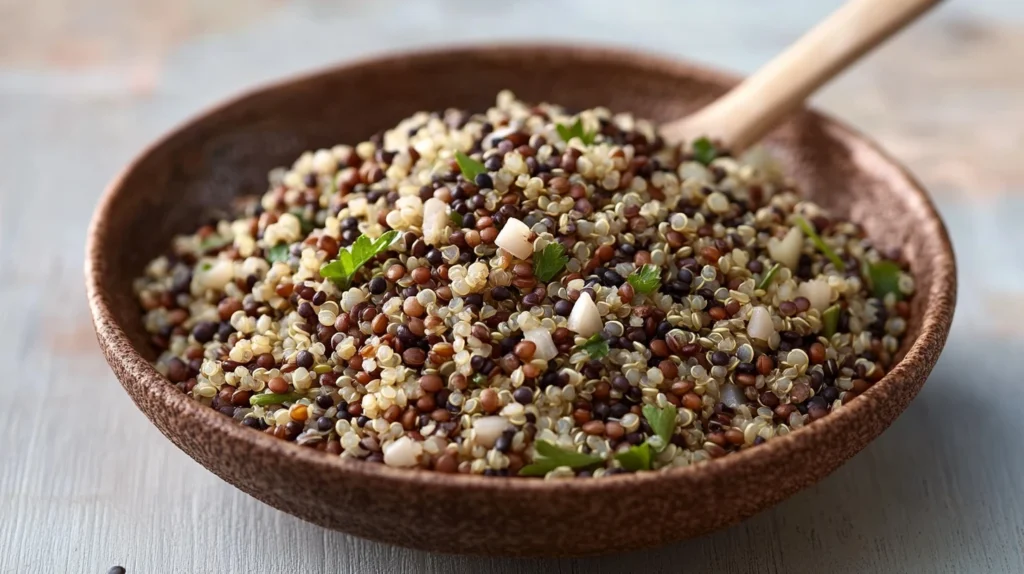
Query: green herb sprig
[576,130]
[636,457]
[645,280]
[830,320]
[596,347]
[549,457]
[549,261]
[305,224]
[214,243]
[884,278]
[273,399]
[351,258]
[469,167]
[277,253]
[704,151]
[663,423]
[819,243]
[767,279]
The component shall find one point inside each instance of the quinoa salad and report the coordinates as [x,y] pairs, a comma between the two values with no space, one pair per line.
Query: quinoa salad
[526,291]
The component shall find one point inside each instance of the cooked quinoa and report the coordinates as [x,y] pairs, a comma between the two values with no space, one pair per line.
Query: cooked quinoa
[586,307]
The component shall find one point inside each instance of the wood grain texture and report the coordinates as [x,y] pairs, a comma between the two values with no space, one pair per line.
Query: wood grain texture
[86,482]
[777,89]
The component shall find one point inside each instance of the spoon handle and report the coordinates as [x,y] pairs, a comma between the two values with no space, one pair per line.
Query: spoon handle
[751,109]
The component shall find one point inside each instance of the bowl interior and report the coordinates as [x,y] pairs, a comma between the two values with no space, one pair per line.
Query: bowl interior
[194,174]
[197,171]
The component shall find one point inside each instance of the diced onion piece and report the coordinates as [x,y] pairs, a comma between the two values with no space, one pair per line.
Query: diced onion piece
[214,273]
[760,325]
[693,171]
[404,452]
[324,162]
[515,238]
[732,396]
[488,429]
[584,318]
[540,337]
[787,251]
[357,206]
[817,291]
[785,291]
[435,220]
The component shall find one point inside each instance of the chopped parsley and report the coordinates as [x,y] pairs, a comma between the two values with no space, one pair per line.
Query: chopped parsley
[576,130]
[818,242]
[645,280]
[767,279]
[662,421]
[351,258]
[549,261]
[636,457]
[704,151]
[469,167]
[830,320]
[884,278]
[278,253]
[549,457]
[214,243]
[274,399]
[596,346]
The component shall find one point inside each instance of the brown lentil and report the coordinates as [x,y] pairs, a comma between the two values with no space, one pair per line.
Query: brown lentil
[489,400]
[816,352]
[278,385]
[395,272]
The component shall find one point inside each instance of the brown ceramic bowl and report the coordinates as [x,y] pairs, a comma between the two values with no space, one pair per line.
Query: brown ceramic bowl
[200,166]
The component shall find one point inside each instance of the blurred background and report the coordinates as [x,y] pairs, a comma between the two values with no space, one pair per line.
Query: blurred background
[86,482]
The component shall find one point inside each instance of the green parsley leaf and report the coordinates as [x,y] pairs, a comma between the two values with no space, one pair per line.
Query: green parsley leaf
[884,278]
[351,258]
[576,130]
[456,218]
[277,253]
[564,131]
[305,224]
[274,399]
[469,167]
[549,261]
[662,421]
[645,280]
[818,242]
[549,457]
[767,279]
[636,457]
[704,151]
[214,243]
[830,320]
[596,346]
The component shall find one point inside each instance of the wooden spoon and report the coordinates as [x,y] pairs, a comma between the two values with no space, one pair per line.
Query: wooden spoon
[750,110]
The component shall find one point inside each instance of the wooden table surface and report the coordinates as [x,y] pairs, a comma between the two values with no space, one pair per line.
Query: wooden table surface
[87,483]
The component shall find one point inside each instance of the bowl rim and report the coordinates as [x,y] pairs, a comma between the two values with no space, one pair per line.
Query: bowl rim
[134,367]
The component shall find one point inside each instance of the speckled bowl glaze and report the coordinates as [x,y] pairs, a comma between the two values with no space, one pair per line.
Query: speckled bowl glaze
[198,168]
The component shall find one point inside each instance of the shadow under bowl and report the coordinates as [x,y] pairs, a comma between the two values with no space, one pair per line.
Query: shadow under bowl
[198,169]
